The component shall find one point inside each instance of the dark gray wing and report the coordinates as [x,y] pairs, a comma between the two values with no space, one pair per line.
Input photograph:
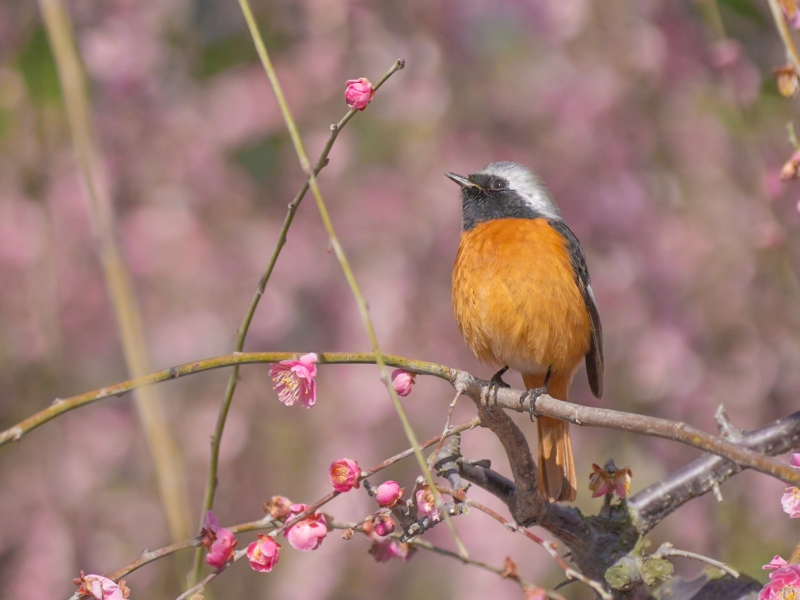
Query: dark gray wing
[594,358]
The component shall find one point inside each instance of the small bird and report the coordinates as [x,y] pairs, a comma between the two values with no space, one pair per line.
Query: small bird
[522,300]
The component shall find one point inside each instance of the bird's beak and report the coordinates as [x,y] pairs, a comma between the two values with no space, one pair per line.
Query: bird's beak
[462,181]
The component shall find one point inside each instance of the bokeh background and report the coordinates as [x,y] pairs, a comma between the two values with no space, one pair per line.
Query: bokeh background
[655,124]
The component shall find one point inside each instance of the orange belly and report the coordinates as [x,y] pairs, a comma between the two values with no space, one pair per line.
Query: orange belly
[515,298]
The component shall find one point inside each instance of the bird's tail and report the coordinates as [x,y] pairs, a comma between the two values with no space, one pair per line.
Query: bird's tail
[556,466]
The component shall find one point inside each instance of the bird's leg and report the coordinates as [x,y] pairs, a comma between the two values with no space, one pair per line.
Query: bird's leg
[495,383]
[533,394]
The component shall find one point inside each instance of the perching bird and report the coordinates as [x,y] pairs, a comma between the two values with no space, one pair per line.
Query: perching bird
[522,300]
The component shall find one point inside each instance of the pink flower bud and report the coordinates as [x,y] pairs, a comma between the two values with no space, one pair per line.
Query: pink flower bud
[403,381]
[263,553]
[388,493]
[344,474]
[293,380]
[426,503]
[307,534]
[219,541]
[383,524]
[358,93]
[101,588]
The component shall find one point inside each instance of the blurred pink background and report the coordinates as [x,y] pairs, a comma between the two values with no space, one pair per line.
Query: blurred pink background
[659,133]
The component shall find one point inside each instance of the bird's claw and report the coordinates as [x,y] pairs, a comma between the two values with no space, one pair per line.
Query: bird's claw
[532,395]
[495,383]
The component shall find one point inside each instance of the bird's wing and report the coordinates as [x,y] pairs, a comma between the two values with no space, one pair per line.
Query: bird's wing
[594,357]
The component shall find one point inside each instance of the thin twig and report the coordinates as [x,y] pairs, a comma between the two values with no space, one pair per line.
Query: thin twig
[363,310]
[786,35]
[60,406]
[268,521]
[666,549]
[216,439]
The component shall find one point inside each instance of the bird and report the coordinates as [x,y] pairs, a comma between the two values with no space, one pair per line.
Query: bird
[523,300]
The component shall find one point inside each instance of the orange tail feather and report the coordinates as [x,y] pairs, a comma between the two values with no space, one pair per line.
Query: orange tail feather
[556,466]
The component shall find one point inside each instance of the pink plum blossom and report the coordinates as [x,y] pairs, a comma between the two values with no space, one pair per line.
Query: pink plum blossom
[345,475]
[263,553]
[293,380]
[308,533]
[795,460]
[386,550]
[403,381]
[358,93]
[388,493]
[791,502]
[784,584]
[219,541]
[610,481]
[426,503]
[776,563]
[101,588]
[383,525]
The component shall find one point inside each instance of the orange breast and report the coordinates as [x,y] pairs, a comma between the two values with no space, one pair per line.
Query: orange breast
[515,298]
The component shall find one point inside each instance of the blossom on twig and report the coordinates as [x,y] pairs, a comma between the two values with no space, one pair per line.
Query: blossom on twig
[345,475]
[263,553]
[388,493]
[386,550]
[611,480]
[403,381]
[307,534]
[426,503]
[358,93]
[784,584]
[101,588]
[294,381]
[219,541]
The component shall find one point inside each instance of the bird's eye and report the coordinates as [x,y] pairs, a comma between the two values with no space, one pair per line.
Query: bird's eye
[498,185]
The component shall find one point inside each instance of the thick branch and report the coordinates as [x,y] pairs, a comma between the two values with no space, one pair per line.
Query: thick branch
[651,505]
[612,419]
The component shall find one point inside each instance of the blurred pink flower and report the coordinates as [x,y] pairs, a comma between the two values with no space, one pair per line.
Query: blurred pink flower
[776,563]
[386,550]
[426,503]
[388,493]
[383,524]
[358,93]
[403,381]
[306,534]
[535,593]
[784,584]
[263,554]
[219,541]
[101,588]
[790,501]
[345,475]
[795,460]
[293,380]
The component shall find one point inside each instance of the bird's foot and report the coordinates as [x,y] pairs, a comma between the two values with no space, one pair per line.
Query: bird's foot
[532,395]
[495,383]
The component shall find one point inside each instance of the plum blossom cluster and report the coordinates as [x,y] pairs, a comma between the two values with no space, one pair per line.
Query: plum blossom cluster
[784,581]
